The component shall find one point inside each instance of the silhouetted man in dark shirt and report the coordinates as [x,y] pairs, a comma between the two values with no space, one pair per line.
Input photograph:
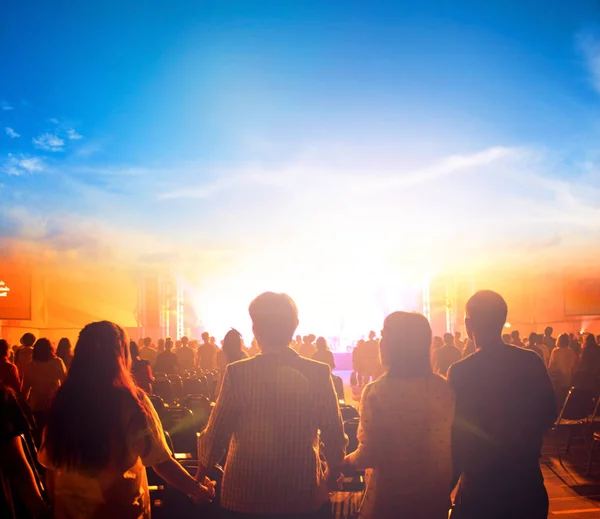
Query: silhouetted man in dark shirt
[504,403]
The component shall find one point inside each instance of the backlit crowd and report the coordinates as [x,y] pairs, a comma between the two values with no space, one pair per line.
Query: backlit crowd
[437,415]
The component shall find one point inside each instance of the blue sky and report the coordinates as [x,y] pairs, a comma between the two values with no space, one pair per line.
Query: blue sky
[299,125]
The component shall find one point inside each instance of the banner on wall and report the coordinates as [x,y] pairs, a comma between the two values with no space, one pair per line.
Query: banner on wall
[15,292]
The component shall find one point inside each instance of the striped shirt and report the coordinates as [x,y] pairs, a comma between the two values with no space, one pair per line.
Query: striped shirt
[279,415]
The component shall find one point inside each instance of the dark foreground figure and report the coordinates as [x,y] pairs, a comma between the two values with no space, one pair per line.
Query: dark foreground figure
[504,403]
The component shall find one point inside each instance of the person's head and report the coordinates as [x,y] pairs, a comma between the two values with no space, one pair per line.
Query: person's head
[590,340]
[372,335]
[506,338]
[438,342]
[572,336]
[448,339]
[85,430]
[4,349]
[28,340]
[184,341]
[533,339]
[486,313]
[298,339]
[361,342]
[321,344]
[312,338]
[160,344]
[563,341]
[43,350]
[457,335]
[178,344]
[63,350]
[232,344]
[405,344]
[274,320]
[134,351]
[205,337]
[147,342]
[548,331]
[514,335]
[213,340]
[168,344]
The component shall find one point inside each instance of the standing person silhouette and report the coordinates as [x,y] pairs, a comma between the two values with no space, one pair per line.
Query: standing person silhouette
[504,403]
[278,413]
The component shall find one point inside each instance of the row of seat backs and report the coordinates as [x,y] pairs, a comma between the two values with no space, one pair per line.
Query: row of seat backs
[172,387]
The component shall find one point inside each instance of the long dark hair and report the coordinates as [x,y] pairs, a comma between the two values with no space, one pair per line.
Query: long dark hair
[64,349]
[43,350]
[90,416]
[232,346]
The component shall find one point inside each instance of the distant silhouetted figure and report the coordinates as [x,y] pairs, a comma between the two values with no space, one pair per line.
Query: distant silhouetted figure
[323,353]
[232,351]
[147,352]
[186,355]
[515,338]
[445,356]
[563,362]
[207,353]
[588,372]
[405,425]
[533,345]
[24,354]
[167,362]
[9,375]
[371,360]
[64,351]
[307,349]
[140,369]
[549,341]
[504,404]
[43,376]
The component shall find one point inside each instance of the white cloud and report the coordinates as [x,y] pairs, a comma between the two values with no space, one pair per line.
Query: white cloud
[73,135]
[49,142]
[11,133]
[362,181]
[5,105]
[17,165]
[589,45]
[53,120]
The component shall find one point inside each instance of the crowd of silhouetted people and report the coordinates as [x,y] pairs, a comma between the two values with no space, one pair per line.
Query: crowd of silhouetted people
[437,415]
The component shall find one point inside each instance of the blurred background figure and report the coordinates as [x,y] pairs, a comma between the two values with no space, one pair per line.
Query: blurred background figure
[42,378]
[64,351]
[323,354]
[140,369]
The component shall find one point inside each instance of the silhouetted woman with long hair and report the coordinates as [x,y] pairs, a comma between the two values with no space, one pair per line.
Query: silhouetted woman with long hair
[323,353]
[42,378]
[64,351]
[405,426]
[232,351]
[101,433]
[588,372]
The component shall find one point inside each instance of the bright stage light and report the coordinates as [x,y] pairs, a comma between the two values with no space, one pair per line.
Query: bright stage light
[341,299]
